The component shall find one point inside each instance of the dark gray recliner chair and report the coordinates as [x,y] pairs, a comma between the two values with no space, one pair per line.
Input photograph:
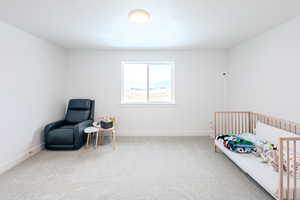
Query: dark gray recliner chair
[68,134]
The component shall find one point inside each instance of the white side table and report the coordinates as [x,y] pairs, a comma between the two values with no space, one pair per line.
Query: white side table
[102,132]
[90,131]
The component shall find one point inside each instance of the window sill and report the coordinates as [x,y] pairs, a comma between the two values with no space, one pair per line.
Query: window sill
[148,104]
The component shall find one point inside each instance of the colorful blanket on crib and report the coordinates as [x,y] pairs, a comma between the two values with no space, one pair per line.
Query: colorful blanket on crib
[237,144]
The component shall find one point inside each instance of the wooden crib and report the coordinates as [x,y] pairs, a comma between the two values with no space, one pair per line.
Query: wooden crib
[288,184]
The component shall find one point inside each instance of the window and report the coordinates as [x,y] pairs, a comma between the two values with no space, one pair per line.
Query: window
[148,82]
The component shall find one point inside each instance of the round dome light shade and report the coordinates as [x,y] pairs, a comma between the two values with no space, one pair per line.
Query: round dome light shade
[139,16]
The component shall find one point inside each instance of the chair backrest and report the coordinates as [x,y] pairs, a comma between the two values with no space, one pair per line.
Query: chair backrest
[80,110]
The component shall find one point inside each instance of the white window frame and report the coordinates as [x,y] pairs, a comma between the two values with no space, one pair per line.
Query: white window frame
[171,63]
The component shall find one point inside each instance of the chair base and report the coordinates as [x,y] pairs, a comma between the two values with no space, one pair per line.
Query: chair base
[62,147]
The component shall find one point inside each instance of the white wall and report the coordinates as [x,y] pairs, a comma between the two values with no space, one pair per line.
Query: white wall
[199,90]
[32,86]
[265,73]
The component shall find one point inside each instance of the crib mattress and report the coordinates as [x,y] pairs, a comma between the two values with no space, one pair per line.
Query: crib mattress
[262,173]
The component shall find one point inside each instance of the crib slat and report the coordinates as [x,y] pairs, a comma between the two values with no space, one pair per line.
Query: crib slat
[239,123]
[295,182]
[221,123]
[250,123]
[225,122]
[253,118]
[232,123]
[254,121]
[221,117]
[245,123]
[288,168]
[225,117]
[242,117]
[236,123]
[280,185]
[228,123]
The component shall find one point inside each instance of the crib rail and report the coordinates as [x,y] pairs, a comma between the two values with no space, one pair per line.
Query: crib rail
[242,122]
[288,170]
[233,123]
[286,125]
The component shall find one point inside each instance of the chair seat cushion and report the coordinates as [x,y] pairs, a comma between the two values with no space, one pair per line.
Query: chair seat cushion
[61,136]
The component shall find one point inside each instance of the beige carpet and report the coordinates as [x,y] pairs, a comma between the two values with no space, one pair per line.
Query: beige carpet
[142,168]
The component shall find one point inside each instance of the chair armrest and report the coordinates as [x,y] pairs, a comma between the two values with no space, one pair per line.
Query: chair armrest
[82,125]
[78,132]
[53,125]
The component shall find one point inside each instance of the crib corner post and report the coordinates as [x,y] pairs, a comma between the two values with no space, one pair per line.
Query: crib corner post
[280,170]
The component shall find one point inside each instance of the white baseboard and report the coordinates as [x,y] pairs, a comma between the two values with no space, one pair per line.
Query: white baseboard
[27,154]
[165,133]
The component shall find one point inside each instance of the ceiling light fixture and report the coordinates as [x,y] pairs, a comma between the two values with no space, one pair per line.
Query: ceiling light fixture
[139,16]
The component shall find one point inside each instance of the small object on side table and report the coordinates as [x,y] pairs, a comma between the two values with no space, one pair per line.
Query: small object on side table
[106,124]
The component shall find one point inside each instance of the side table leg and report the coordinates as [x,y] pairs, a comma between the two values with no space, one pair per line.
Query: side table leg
[114,139]
[96,140]
[99,138]
[87,140]
[111,139]
[102,139]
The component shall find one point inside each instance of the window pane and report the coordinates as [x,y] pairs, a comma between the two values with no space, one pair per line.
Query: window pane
[135,83]
[160,83]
